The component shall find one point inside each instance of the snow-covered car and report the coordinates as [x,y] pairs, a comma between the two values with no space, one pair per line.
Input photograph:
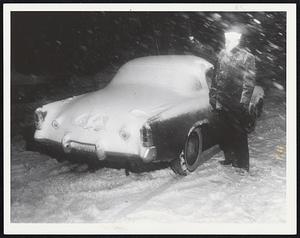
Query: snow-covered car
[156,108]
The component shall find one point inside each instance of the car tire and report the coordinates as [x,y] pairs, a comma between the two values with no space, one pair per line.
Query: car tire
[190,159]
[193,149]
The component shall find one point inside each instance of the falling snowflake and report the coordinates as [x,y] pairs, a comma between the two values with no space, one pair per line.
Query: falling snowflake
[256,21]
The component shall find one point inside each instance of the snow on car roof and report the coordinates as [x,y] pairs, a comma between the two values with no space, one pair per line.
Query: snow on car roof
[171,61]
[180,73]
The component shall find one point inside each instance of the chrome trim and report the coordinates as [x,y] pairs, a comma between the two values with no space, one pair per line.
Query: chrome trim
[146,135]
[83,146]
[66,143]
[150,154]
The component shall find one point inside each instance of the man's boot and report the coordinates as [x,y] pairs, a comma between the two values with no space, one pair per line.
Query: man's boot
[225,162]
[244,166]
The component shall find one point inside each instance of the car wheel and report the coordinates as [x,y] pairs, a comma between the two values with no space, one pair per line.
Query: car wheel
[190,159]
[193,150]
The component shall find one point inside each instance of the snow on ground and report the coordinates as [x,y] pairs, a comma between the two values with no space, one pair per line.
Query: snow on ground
[45,190]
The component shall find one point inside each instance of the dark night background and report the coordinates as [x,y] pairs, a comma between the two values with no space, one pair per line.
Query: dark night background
[59,54]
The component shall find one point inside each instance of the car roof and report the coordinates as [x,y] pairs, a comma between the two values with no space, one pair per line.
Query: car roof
[179,73]
[169,61]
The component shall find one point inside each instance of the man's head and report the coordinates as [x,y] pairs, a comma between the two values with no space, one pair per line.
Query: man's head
[232,39]
[233,36]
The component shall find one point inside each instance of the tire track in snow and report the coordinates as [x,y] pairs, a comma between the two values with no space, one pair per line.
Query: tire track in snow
[163,187]
[144,199]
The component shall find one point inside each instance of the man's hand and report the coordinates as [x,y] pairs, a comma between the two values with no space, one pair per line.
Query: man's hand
[247,118]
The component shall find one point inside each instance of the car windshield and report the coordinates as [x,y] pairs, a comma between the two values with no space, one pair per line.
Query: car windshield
[181,79]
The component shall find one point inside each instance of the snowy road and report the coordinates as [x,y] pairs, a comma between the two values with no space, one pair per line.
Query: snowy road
[45,190]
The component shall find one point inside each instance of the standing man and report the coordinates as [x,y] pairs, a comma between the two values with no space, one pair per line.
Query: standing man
[230,95]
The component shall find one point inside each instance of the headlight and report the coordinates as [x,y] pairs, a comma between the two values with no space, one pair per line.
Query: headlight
[55,124]
[39,118]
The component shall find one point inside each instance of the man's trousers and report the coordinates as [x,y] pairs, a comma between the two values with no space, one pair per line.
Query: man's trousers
[232,138]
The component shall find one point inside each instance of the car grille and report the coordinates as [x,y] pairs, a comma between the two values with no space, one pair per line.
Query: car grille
[83,146]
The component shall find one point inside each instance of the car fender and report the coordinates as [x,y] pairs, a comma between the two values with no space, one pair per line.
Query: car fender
[171,128]
[198,124]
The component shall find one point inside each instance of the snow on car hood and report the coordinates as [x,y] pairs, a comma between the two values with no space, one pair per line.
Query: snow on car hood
[117,105]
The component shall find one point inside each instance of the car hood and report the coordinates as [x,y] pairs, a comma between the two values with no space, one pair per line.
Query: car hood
[115,105]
